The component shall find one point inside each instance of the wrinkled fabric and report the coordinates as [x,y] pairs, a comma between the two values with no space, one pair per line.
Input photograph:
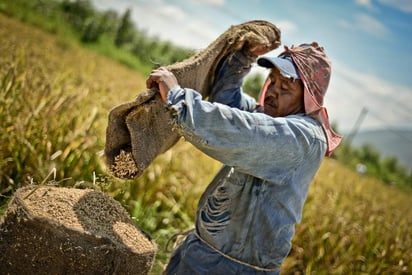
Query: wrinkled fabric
[315,70]
[186,258]
[249,210]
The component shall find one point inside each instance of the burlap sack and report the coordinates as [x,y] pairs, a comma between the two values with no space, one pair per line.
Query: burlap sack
[139,130]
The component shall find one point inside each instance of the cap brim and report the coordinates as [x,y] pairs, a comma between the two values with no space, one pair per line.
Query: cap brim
[284,65]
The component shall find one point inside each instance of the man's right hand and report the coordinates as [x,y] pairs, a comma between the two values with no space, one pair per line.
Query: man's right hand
[165,80]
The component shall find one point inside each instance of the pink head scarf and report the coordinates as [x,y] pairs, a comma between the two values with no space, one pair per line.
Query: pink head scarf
[314,69]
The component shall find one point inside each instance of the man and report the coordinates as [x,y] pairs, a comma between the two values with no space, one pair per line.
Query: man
[246,216]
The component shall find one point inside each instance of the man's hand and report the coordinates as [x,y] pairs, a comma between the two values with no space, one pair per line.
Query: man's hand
[165,80]
[257,48]
[260,49]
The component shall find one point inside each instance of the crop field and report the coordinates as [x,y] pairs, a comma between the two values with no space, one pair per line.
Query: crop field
[54,101]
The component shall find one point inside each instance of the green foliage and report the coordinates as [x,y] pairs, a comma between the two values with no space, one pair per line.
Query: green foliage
[387,169]
[39,13]
[110,34]
[126,30]
[76,13]
[253,85]
[124,57]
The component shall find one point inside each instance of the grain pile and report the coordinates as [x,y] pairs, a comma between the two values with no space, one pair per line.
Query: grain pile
[56,230]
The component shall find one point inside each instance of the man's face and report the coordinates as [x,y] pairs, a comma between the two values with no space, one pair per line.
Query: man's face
[284,96]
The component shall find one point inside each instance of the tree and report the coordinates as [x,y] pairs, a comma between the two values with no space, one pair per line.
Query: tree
[126,31]
[77,12]
[253,85]
[100,24]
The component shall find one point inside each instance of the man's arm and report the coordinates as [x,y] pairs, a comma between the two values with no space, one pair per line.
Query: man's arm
[229,80]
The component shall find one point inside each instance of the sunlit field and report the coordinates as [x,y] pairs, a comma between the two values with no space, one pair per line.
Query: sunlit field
[54,101]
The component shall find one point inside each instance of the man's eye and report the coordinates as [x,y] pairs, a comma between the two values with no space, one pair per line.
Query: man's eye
[285,85]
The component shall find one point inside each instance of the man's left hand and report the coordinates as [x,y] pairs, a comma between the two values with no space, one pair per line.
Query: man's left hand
[260,49]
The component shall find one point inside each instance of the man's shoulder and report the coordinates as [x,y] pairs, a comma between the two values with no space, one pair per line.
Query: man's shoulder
[304,119]
[307,123]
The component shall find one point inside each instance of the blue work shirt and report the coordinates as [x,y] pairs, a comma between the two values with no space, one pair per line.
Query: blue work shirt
[246,217]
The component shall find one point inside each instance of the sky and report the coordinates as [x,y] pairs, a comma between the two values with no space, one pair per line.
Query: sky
[368,41]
